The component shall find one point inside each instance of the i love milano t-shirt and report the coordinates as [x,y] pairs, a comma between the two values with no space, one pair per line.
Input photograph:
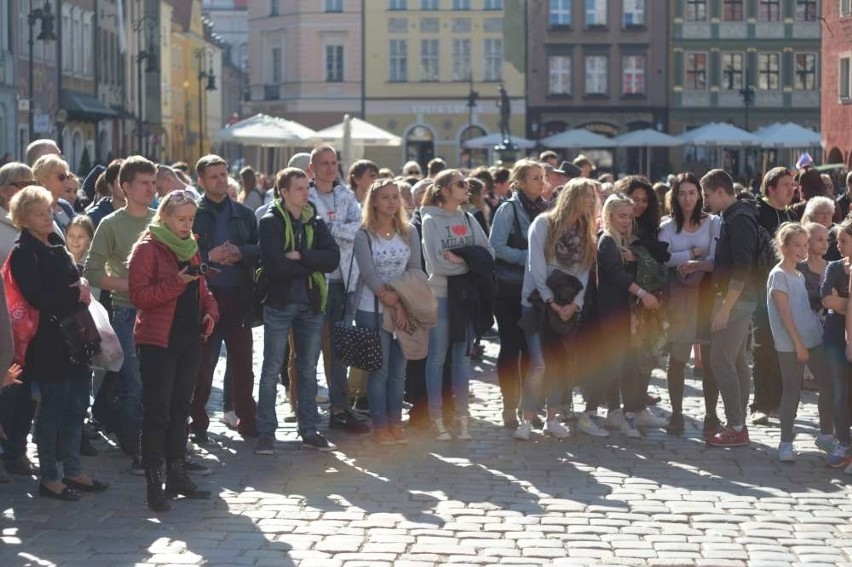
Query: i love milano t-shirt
[442,231]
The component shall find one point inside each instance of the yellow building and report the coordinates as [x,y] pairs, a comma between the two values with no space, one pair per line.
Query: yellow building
[422,60]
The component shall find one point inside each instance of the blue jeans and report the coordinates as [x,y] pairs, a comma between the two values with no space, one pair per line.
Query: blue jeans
[340,308]
[534,383]
[307,336]
[385,386]
[59,426]
[129,378]
[841,374]
[439,344]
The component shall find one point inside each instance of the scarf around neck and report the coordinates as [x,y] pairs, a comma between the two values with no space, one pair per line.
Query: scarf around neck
[184,248]
[533,208]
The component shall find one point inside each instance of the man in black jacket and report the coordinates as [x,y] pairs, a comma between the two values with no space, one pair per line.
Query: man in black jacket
[736,292]
[297,250]
[227,239]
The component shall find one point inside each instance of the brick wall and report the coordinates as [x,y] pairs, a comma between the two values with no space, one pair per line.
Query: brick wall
[836,119]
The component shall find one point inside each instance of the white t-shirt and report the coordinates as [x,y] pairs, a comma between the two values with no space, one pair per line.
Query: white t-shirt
[806,321]
[390,258]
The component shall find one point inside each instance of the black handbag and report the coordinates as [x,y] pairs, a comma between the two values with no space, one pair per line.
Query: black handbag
[81,335]
[358,347]
[510,277]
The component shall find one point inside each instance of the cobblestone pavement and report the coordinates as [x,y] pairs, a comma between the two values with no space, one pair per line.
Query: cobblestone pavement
[618,501]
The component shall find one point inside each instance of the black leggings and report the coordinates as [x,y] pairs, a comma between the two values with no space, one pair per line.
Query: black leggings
[168,378]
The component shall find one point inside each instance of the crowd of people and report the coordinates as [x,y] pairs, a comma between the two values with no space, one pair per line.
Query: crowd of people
[590,281]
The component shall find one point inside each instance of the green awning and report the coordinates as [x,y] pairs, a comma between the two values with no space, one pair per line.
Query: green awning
[85,106]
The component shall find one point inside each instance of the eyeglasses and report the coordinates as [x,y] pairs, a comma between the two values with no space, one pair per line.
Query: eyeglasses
[63,176]
[381,184]
[21,184]
[181,196]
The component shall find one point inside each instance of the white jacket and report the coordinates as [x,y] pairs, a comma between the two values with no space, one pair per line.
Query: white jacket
[343,224]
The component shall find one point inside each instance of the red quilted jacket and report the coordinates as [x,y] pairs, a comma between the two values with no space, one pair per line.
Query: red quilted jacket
[154,290]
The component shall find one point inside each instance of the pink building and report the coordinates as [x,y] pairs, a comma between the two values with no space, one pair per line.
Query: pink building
[305,59]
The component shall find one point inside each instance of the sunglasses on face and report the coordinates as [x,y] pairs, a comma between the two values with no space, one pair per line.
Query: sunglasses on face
[461,184]
[63,176]
[181,196]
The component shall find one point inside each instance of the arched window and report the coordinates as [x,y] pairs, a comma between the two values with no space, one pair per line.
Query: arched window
[472,157]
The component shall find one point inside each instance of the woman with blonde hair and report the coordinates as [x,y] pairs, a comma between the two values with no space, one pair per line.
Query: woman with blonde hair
[386,247]
[53,173]
[509,240]
[561,243]
[175,313]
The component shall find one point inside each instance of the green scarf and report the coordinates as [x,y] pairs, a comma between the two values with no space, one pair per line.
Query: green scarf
[316,278]
[184,248]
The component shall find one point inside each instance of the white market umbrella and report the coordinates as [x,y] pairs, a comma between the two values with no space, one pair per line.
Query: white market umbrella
[787,135]
[719,134]
[362,133]
[577,139]
[265,131]
[646,138]
[488,142]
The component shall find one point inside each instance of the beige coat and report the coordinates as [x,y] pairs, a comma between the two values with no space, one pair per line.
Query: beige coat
[422,308]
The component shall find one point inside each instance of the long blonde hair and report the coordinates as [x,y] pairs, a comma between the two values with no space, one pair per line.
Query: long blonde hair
[369,218]
[569,211]
[612,204]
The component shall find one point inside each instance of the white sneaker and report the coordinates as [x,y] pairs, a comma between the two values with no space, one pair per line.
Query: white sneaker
[786,453]
[439,431]
[522,433]
[463,429]
[646,419]
[629,429]
[587,425]
[556,430]
[614,419]
[229,418]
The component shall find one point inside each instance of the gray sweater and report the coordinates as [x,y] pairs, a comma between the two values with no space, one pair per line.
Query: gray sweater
[444,230]
[364,260]
[538,269]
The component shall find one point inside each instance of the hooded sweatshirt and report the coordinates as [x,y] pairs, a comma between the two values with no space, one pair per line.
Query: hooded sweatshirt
[444,230]
[771,218]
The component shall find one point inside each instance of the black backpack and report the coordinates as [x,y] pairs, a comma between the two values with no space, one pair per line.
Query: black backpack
[765,258]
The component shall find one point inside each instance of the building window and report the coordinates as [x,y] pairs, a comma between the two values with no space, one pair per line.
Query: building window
[696,10]
[768,71]
[460,25]
[595,13]
[398,54]
[430,25]
[493,60]
[845,8]
[461,59]
[596,74]
[428,4]
[806,10]
[334,63]
[429,57]
[696,71]
[559,82]
[732,10]
[769,11]
[493,5]
[843,78]
[560,12]
[634,13]
[732,71]
[633,75]
[398,5]
[273,7]
[275,61]
[805,79]
[461,4]
[333,5]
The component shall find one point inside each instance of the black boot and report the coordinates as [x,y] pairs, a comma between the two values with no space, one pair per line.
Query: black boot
[179,483]
[157,500]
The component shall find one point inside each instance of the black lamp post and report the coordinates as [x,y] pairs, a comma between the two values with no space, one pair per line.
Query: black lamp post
[204,72]
[46,17]
[472,96]
[150,57]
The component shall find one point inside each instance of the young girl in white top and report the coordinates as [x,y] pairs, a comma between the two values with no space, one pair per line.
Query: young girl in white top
[797,332]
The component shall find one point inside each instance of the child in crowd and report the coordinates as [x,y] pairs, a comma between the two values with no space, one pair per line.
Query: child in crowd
[814,267]
[78,239]
[797,333]
[616,266]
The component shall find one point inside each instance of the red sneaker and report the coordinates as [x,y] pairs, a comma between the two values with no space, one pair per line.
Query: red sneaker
[729,437]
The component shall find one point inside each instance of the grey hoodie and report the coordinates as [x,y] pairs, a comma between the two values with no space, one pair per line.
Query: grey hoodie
[443,230]
[8,235]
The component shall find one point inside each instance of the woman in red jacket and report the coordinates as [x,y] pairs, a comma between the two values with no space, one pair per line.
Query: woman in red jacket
[175,313]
